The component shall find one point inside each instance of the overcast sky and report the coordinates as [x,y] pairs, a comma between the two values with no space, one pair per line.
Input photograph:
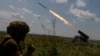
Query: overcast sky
[81,14]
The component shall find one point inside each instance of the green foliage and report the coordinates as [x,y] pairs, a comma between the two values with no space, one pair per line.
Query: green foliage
[63,46]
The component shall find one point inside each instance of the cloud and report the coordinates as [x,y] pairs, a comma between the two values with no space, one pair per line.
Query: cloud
[21,10]
[17,16]
[24,10]
[36,15]
[21,14]
[60,1]
[11,6]
[27,10]
[83,15]
[19,0]
[25,13]
[81,3]
[7,16]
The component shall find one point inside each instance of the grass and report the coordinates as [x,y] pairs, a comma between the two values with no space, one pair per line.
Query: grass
[63,47]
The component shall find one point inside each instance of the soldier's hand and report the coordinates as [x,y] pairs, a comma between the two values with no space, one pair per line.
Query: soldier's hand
[31,48]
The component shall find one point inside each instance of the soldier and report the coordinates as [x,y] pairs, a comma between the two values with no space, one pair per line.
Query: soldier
[17,31]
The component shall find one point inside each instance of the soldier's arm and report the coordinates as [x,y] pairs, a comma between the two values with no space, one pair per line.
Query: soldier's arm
[31,49]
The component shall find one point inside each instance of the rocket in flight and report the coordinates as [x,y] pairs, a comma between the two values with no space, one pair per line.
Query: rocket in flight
[42,5]
[55,14]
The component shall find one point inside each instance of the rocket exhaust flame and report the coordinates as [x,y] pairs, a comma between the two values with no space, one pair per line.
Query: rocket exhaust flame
[59,17]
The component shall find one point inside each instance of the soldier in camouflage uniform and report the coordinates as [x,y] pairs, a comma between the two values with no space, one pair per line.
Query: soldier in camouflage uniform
[17,31]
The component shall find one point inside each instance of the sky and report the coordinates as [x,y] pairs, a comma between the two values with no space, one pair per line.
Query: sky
[82,15]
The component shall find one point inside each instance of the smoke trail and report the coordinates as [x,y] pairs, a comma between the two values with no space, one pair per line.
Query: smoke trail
[59,17]
[42,25]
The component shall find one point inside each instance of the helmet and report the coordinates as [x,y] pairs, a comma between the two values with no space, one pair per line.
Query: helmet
[17,28]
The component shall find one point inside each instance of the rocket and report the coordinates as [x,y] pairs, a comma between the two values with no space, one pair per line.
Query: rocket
[54,14]
[42,5]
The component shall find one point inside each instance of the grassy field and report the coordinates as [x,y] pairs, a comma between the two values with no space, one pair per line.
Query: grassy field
[60,46]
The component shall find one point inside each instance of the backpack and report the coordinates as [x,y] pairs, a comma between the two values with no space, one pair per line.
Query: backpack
[1,45]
